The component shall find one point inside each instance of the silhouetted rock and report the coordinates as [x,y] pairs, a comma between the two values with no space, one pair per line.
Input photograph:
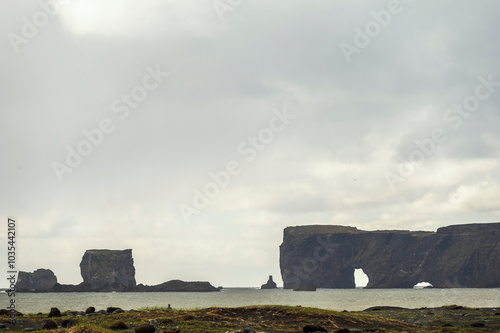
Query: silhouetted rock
[313,328]
[54,312]
[41,279]
[119,325]
[465,256]
[103,271]
[108,270]
[114,310]
[147,328]
[90,309]
[177,285]
[270,284]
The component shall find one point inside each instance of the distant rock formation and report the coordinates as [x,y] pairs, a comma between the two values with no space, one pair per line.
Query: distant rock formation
[108,270]
[41,279]
[270,284]
[455,256]
[177,285]
[104,270]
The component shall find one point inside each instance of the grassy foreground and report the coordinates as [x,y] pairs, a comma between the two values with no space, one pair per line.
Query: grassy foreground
[275,319]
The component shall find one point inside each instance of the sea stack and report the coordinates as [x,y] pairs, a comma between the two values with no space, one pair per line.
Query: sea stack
[108,270]
[270,284]
[39,280]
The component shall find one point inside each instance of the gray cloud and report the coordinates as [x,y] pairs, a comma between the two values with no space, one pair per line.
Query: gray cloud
[354,123]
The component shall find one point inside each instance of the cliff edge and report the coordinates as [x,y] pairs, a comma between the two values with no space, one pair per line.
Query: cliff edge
[466,256]
[108,270]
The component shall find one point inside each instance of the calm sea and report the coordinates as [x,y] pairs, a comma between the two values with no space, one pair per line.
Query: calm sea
[337,299]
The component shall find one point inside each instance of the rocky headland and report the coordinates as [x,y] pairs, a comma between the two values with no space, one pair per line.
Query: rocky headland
[457,256]
[104,271]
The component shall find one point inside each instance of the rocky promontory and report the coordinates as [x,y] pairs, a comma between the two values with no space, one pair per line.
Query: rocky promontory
[104,271]
[323,256]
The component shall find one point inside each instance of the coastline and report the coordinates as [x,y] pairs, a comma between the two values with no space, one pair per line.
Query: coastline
[329,299]
[268,318]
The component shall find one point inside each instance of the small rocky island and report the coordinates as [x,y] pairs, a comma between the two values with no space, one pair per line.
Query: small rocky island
[104,271]
[270,284]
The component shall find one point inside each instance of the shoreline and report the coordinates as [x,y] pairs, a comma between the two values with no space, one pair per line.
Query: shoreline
[269,318]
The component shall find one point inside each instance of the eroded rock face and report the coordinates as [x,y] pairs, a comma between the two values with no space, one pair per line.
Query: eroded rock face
[454,256]
[41,279]
[108,270]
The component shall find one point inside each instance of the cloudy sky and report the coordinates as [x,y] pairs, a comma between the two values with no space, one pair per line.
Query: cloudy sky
[194,132]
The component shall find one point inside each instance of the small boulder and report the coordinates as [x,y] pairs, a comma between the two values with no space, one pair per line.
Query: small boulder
[49,325]
[67,323]
[147,328]
[114,310]
[90,309]
[54,312]
[119,325]
[313,328]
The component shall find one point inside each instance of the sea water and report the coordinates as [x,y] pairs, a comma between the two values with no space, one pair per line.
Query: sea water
[336,299]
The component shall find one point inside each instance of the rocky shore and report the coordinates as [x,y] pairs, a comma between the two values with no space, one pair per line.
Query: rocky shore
[254,319]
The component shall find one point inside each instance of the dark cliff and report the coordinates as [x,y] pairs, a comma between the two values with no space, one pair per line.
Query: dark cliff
[104,270]
[41,279]
[454,256]
[108,270]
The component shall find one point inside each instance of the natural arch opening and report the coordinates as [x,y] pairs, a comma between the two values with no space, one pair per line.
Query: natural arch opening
[360,278]
[422,285]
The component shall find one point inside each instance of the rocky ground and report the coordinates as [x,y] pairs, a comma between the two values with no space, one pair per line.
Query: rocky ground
[261,319]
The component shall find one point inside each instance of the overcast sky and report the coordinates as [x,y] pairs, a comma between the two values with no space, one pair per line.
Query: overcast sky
[117,115]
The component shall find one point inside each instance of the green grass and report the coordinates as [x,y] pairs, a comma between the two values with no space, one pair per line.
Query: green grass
[273,318]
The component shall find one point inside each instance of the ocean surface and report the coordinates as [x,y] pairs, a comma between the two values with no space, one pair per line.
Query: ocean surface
[336,299]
